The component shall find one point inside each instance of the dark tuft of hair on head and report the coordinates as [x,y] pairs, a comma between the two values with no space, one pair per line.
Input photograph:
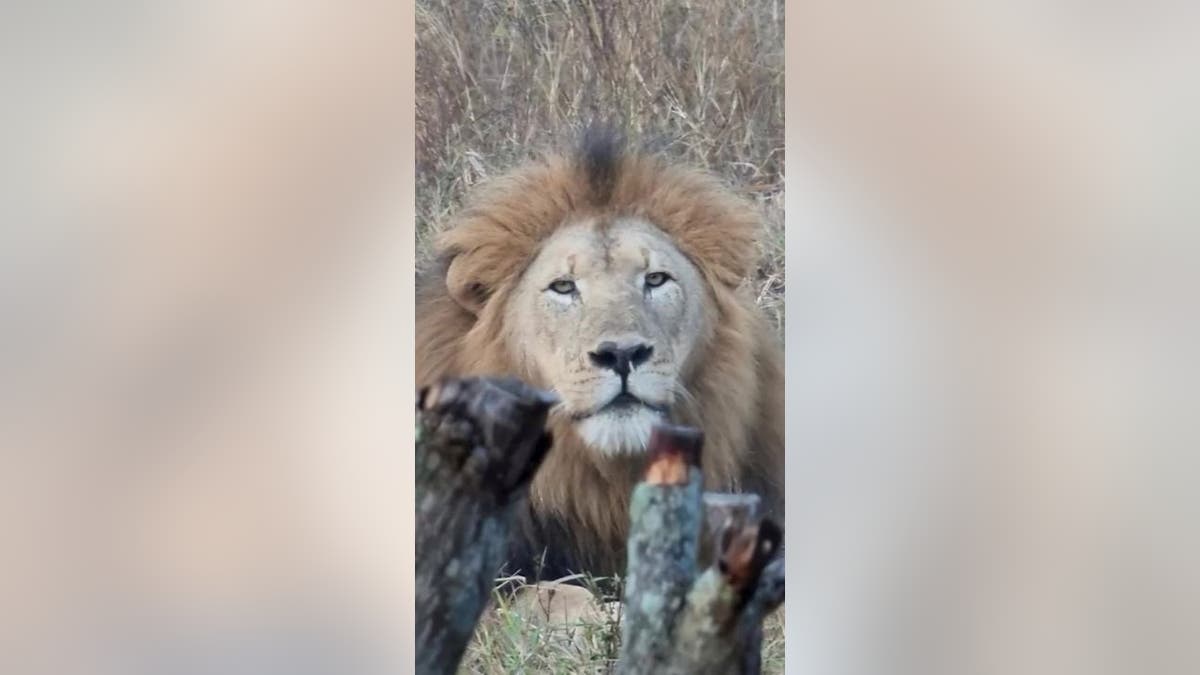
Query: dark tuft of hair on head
[599,157]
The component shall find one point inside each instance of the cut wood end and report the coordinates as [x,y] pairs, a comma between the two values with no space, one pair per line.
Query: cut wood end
[501,419]
[673,450]
[737,555]
[745,551]
[732,501]
[723,510]
[495,395]
[524,392]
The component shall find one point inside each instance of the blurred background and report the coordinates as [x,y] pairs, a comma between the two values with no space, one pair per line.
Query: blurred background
[992,244]
[206,353]
[207,264]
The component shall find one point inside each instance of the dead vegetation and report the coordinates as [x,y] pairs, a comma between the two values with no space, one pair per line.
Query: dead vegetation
[702,82]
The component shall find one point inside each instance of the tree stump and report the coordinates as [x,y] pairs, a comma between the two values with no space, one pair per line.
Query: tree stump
[675,621]
[663,541]
[479,443]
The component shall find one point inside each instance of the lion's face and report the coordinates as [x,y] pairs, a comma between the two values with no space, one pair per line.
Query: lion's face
[608,316]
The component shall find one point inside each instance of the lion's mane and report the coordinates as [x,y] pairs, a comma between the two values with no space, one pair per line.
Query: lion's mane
[577,514]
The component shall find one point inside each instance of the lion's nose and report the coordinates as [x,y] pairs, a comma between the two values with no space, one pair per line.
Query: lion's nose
[620,359]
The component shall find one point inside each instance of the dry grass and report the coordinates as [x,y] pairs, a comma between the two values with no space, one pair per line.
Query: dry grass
[511,641]
[508,641]
[499,81]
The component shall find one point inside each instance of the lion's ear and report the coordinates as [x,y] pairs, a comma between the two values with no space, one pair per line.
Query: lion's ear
[465,284]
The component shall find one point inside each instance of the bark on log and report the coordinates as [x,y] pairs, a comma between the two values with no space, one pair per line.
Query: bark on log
[666,518]
[676,623]
[720,630]
[479,443]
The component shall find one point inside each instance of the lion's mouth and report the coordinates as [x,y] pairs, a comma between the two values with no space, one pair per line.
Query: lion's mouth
[624,402]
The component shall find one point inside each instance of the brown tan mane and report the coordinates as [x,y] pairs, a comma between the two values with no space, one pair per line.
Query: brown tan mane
[736,388]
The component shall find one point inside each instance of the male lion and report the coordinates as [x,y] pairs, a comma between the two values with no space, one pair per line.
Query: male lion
[614,279]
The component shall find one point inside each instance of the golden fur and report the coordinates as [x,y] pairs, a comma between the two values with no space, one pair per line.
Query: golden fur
[579,499]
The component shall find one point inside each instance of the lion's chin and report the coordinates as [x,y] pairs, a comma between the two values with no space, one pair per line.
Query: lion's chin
[619,432]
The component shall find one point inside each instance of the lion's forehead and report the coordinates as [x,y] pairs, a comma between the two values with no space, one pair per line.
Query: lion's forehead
[602,249]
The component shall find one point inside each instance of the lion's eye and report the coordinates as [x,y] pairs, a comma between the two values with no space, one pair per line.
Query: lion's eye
[563,286]
[656,279]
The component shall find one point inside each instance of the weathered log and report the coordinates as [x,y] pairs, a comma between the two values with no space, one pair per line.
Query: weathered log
[723,510]
[479,443]
[728,513]
[676,622]
[766,599]
[720,631]
[664,535]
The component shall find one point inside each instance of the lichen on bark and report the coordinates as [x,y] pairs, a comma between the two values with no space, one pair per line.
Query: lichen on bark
[479,442]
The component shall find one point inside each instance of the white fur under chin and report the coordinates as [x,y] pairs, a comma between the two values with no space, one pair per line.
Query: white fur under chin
[619,432]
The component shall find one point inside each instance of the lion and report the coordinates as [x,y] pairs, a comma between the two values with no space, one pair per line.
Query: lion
[615,279]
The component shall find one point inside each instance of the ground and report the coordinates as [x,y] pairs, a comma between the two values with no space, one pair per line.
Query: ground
[511,638]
